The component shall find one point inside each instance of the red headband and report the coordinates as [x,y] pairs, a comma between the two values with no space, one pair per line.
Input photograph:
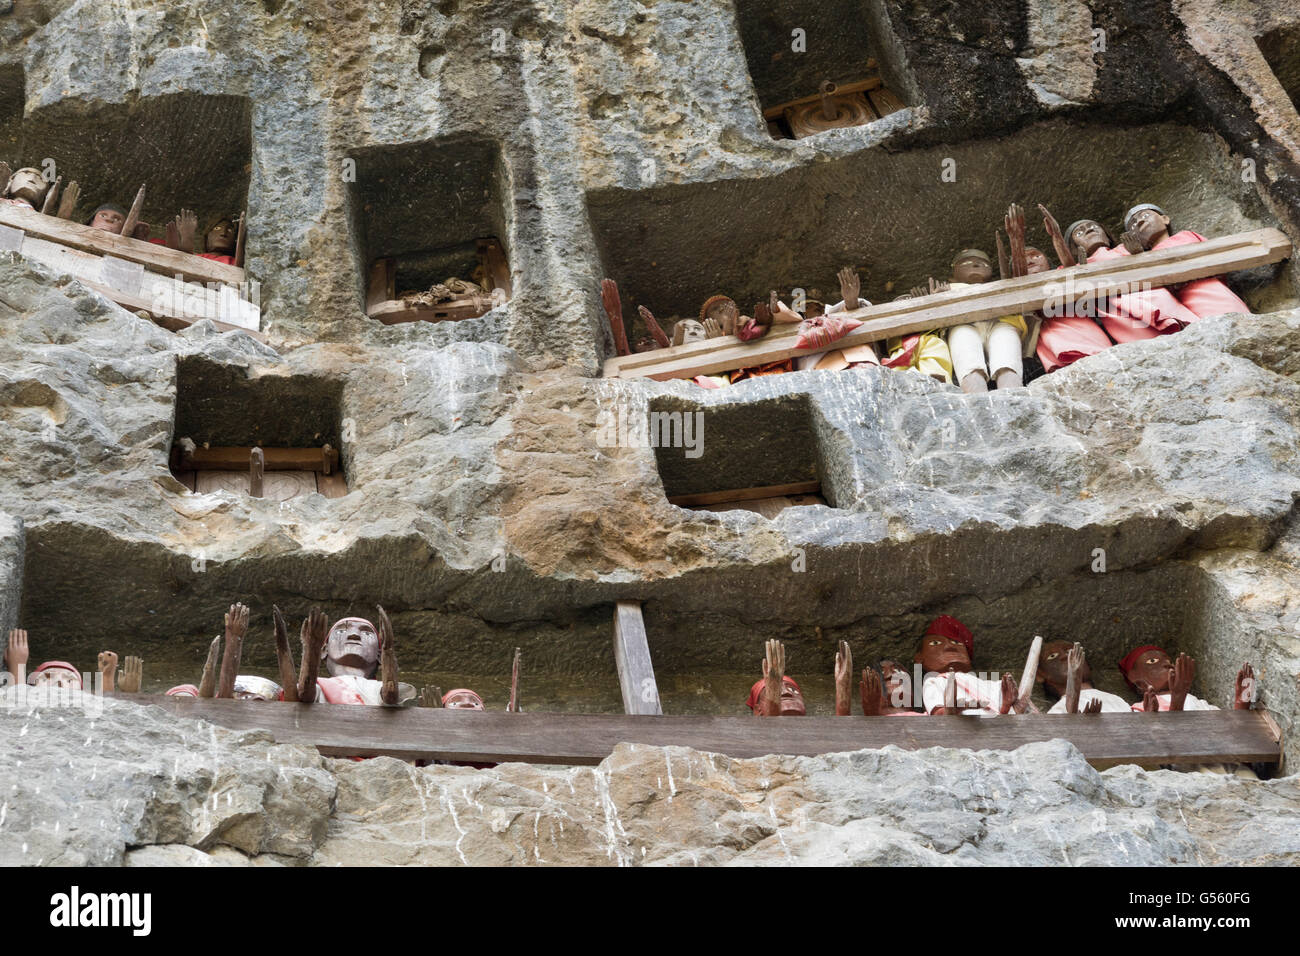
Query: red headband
[1131,658]
[950,627]
[181,689]
[758,689]
[361,620]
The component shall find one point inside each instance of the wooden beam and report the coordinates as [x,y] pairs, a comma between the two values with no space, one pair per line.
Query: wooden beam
[496,266]
[858,86]
[421,733]
[636,673]
[152,256]
[397,311]
[383,282]
[236,457]
[1163,267]
[746,494]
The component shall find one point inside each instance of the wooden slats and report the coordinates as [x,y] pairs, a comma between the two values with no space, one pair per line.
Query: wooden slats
[154,257]
[636,674]
[235,458]
[1193,737]
[746,494]
[1094,280]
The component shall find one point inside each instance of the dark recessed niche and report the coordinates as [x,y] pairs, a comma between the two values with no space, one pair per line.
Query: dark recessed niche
[427,212]
[794,49]
[222,414]
[189,151]
[1281,48]
[762,456]
[892,217]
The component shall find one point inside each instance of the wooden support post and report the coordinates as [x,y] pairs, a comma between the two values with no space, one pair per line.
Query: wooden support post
[513,705]
[636,675]
[133,217]
[51,197]
[1031,669]
[239,240]
[256,467]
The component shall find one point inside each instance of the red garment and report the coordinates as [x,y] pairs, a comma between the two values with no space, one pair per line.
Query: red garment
[950,627]
[1063,341]
[1204,297]
[336,691]
[216,257]
[904,358]
[758,689]
[1138,316]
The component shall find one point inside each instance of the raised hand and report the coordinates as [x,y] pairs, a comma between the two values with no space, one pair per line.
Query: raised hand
[387,658]
[763,315]
[870,689]
[284,656]
[431,697]
[1059,243]
[52,196]
[315,631]
[1131,243]
[108,668]
[236,627]
[1009,690]
[1014,223]
[850,287]
[843,680]
[208,682]
[939,285]
[652,325]
[1093,706]
[1244,692]
[132,675]
[711,328]
[1181,682]
[1074,661]
[68,204]
[187,227]
[16,655]
[773,677]
[1150,699]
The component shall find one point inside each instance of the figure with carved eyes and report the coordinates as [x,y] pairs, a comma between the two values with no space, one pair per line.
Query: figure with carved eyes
[950,684]
[776,694]
[1148,226]
[26,187]
[1063,669]
[990,349]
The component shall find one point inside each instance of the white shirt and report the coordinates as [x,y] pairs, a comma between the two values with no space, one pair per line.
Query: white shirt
[1110,703]
[1192,703]
[974,696]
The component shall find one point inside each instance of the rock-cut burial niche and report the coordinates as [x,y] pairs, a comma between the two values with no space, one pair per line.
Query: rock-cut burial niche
[894,217]
[429,226]
[818,65]
[1281,48]
[272,436]
[189,152]
[762,456]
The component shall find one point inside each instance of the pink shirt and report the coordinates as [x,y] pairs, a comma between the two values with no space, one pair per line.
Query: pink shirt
[1137,316]
[1206,298]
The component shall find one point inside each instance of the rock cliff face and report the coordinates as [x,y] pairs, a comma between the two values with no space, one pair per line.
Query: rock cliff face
[144,789]
[1145,495]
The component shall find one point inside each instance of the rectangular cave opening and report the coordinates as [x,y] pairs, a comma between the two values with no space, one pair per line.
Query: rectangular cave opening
[892,217]
[761,456]
[188,151]
[273,436]
[1281,48]
[429,227]
[817,66]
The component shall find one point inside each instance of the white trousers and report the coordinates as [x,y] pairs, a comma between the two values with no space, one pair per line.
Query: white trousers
[990,345]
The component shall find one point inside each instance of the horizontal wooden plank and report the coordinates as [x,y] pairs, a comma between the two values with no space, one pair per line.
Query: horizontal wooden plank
[1003,297]
[235,458]
[417,733]
[396,311]
[842,89]
[746,494]
[152,256]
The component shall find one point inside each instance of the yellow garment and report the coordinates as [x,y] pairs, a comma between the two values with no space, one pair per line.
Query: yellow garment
[930,358]
[1017,320]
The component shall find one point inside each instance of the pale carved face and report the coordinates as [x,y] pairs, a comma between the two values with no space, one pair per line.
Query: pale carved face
[352,648]
[463,700]
[692,330]
[109,220]
[28,184]
[60,677]
[972,269]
